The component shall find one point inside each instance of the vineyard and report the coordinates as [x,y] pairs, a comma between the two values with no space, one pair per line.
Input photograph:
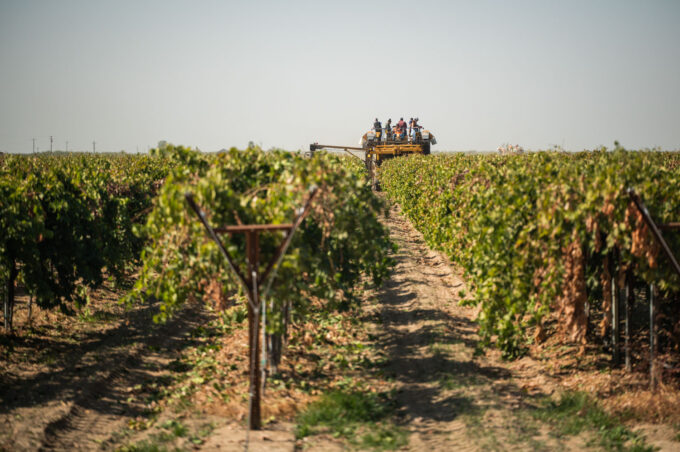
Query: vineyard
[68,221]
[541,236]
[112,285]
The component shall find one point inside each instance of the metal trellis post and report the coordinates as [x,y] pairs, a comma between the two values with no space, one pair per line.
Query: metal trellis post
[251,283]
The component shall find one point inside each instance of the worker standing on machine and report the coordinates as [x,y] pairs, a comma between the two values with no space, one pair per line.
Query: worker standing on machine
[402,128]
[388,129]
[414,129]
[377,126]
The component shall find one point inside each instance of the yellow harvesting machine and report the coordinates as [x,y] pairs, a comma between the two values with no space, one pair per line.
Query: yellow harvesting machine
[379,146]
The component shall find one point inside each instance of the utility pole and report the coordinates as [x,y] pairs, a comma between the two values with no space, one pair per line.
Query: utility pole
[51,140]
[34,145]
[94,143]
[66,145]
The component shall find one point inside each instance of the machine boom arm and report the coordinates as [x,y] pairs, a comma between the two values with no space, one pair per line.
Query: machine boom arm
[314,147]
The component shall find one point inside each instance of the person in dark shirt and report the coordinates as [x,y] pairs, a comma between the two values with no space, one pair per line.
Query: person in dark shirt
[388,128]
[377,126]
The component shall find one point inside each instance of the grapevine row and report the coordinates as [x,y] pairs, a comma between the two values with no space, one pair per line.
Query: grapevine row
[339,245]
[68,221]
[537,233]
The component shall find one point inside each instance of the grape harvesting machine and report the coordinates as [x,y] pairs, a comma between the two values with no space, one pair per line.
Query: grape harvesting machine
[379,146]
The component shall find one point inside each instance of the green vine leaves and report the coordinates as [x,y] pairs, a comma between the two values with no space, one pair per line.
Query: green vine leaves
[533,232]
[339,245]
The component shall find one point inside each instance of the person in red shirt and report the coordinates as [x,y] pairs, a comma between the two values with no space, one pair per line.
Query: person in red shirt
[402,128]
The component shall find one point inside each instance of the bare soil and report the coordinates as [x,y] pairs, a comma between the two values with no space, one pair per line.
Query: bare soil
[451,397]
[66,381]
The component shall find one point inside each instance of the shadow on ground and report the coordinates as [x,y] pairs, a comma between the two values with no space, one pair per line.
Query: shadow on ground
[83,368]
[431,352]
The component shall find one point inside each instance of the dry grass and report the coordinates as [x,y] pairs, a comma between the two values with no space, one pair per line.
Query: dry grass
[625,394]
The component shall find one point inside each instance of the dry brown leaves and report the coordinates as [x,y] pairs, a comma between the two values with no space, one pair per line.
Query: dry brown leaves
[662,405]
[214,294]
[628,394]
[311,348]
[643,245]
[571,303]
[555,367]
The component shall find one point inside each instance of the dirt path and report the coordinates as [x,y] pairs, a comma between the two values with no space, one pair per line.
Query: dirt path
[450,398]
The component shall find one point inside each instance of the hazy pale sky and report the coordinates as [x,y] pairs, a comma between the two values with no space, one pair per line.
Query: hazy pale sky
[216,74]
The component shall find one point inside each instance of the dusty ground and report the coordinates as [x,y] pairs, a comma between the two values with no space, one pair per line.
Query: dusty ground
[65,381]
[76,385]
[450,398]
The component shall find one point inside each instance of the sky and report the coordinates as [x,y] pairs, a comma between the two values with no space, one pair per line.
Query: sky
[216,74]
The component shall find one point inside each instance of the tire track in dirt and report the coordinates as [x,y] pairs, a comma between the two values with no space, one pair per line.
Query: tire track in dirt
[450,397]
[78,404]
[103,406]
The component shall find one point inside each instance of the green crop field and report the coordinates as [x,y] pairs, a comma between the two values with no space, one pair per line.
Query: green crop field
[473,297]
